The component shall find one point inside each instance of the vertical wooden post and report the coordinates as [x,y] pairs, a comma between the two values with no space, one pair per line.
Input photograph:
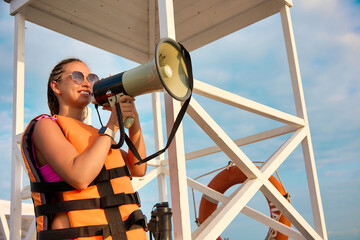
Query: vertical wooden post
[309,159]
[18,126]
[178,181]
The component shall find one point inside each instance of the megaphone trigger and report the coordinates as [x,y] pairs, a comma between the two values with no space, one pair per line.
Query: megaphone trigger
[112,100]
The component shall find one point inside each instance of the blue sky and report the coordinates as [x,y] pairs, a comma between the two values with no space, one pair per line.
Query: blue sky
[252,63]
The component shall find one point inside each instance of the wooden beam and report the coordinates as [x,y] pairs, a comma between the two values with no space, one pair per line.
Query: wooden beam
[17,5]
[17,125]
[232,99]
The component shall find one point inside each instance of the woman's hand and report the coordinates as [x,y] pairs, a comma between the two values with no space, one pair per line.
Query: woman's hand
[128,109]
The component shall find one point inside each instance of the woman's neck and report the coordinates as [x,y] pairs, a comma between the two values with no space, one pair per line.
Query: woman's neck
[72,112]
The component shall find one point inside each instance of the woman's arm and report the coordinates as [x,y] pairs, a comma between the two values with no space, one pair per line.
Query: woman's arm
[136,137]
[78,170]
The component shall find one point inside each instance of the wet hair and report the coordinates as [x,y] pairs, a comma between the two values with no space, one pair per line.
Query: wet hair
[55,75]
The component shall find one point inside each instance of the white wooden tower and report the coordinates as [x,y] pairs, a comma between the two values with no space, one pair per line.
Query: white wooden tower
[131,29]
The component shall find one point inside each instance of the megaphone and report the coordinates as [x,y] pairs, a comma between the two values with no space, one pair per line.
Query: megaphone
[166,71]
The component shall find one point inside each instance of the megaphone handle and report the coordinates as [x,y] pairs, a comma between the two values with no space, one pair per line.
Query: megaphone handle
[128,121]
[113,100]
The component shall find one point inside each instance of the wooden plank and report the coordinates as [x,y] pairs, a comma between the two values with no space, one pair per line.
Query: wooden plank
[117,47]
[196,40]
[139,182]
[4,227]
[134,8]
[309,159]
[232,99]
[273,163]
[217,222]
[26,192]
[239,142]
[203,16]
[187,9]
[31,233]
[314,189]
[226,144]
[17,125]
[102,20]
[293,63]
[17,5]
[179,194]
[289,211]
[258,216]
[242,141]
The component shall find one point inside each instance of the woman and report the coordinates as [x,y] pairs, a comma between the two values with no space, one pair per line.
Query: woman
[67,150]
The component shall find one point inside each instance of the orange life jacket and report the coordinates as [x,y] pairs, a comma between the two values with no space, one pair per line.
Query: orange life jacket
[107,209]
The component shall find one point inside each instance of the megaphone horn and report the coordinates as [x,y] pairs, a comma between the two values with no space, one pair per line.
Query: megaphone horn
[165,71]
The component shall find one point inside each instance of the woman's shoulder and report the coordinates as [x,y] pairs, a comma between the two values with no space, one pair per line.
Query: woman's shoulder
[45,125]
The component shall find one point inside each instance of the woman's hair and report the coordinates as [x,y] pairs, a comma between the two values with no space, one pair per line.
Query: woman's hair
[55,75]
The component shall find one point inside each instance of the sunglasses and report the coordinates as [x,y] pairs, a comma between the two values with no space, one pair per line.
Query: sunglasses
[78,77]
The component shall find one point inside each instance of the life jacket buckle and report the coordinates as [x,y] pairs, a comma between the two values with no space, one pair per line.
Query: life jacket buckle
[137,199]
[128,172]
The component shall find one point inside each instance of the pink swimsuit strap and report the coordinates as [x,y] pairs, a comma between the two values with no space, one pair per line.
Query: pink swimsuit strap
[46,171]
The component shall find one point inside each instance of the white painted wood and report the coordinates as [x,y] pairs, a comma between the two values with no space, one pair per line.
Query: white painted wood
[276,159]
[166,19]
[18,155]
[176,152]
[293,63]
[239,142]
[152,27]
[217,30]
[216,196]
[159,143]
[139,182]
[313,184]
[18,126]
[4,227]
[31,233]
[113,22]
[258,216]
[226,144]
[214,225]
[314,189]
[17,5]
[232,99]
[179,193]
[212,129]
[289,211]
[26,192]
[18,138]
[117,46]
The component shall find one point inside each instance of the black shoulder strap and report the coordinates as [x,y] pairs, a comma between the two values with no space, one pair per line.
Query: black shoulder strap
[178,119]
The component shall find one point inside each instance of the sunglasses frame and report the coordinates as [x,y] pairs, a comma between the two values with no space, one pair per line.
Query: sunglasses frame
[79,79]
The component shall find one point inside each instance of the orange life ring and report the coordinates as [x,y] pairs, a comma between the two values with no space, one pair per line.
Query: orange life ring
[229,177]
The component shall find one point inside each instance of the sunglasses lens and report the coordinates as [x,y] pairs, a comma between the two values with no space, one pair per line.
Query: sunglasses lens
[78,77]
[93,78]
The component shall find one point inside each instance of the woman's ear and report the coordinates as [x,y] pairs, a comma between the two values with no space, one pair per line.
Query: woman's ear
[55,87]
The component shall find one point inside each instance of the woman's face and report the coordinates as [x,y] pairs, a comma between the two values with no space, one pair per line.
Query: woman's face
[71,93]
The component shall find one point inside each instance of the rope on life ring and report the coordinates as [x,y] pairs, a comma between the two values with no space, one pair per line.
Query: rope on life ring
[230,177]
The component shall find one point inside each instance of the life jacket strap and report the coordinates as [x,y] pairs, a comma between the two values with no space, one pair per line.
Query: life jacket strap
[104,175]
[91,203]
[136,220]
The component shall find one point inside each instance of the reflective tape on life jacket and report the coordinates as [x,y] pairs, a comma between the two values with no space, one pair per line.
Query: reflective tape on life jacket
[230,177]
[107,209]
